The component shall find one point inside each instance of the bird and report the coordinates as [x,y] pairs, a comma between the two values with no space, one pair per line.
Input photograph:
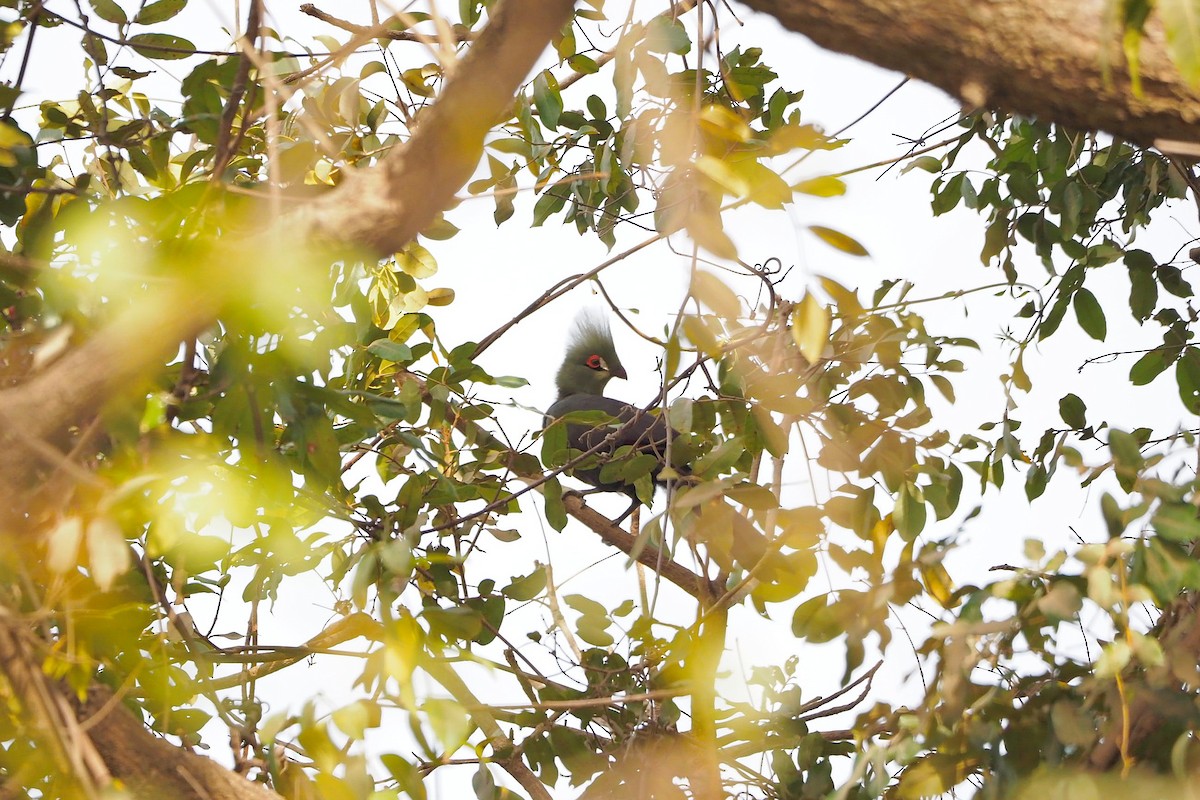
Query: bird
[627,442]
[629,446]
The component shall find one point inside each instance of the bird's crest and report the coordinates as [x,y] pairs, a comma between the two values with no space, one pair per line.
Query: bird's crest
[591,332]
[591,357]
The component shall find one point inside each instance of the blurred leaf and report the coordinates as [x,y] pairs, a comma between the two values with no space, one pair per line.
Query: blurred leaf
[710,290]
[450,723]
[1176,522]
[826,186]
[1181,19]
[838,240]
[1187,378]
[667,35]
[811,324]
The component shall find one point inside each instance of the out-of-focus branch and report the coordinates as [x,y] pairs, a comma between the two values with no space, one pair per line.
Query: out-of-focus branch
[1060,62]
[382,209]
[381,31]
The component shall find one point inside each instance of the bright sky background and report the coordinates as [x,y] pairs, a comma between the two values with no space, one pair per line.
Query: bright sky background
[497,272]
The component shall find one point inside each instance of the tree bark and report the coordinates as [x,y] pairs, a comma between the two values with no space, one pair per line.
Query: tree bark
[1029,57]
[382,209]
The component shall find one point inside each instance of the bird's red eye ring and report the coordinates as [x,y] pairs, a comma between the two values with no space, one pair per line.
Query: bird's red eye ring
[595,362]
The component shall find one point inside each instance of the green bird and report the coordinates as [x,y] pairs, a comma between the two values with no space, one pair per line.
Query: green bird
[615,429]
[623,433]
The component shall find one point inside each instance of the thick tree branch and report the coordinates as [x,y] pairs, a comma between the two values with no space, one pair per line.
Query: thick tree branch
[382,209]
[1029,57]
[376,210]
[684,578]
[153,767]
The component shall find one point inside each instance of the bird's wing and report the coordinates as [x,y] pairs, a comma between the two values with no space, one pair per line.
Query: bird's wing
[634,428]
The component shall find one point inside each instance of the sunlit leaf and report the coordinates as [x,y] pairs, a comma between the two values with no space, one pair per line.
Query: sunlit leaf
[811,324]
[838,240]
[1181,19]
[710,290]
[825,186]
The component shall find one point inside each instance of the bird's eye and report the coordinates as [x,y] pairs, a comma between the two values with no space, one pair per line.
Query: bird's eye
[596,362]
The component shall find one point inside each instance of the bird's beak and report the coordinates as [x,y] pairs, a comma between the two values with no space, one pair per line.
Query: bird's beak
[619,372]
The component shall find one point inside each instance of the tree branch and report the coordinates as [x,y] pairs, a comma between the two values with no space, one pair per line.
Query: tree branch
[382,209]
[1058,62]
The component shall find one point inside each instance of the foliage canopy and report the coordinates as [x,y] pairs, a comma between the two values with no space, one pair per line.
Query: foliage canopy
[316,426]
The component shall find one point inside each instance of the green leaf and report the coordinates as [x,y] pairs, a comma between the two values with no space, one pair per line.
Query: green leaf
[667,35]
[551,202]
[909,513]
[162,46]
[931,164]
[547,99]
[1177,522]
[159,11]
[109,11]
[814,620]
[838,240]
[1143,291]
[1181,19]
[1090,314]
[527,587]
[1149,367]
[1127,457]
[1187,376]
[390,351]
[556,512]
[1035,482]
[1072,410]
[93,45]
[1171,278]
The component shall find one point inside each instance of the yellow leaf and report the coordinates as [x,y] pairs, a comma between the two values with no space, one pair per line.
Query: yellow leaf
[723,175]
[725,124]
[708,289]
[791,137]
[62,545]
[706,230]
[108,553]
[847,301]
[825,186]
[441,297]
[938,583]
[839,240]
[449,722]
[767,189]
[417,261]
[811,323]
[700,332]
